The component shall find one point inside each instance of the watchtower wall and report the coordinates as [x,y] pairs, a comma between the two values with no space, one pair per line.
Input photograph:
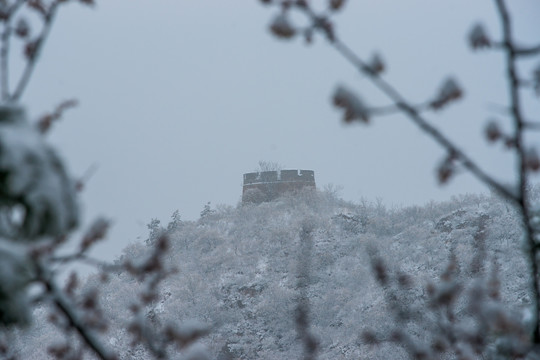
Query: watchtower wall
[268,185]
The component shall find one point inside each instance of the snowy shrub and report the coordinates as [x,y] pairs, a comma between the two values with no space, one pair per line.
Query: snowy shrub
[34,178]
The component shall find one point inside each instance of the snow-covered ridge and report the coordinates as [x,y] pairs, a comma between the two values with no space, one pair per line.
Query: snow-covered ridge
[238,272]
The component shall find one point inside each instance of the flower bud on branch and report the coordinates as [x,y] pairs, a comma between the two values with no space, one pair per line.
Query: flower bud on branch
[449,91]
[376,64]
[38,6]
[30,49]
[478,37]
[492,131]
[532,160]
[282,27]
[336,4]
[44,123]
[22,29]
[509,142]
[351,103]
[445,170]
[98,230]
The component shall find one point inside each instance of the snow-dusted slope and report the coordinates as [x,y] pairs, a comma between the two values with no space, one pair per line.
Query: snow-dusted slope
[239,267]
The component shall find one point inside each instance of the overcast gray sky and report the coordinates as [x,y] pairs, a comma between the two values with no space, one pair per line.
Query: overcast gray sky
[179,98]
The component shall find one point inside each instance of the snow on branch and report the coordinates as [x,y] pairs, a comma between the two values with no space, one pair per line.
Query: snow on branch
[35,179]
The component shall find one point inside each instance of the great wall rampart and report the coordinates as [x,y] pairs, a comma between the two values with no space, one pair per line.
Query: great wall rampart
[268,185]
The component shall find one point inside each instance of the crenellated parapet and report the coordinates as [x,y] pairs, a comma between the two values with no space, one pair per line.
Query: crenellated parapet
[268,185]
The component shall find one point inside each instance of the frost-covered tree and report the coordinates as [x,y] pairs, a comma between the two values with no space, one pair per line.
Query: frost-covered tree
[207,211]
[244,274]
[155,230]
[269,166]
[176,221]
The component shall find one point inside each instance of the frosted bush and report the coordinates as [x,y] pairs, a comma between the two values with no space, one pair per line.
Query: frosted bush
[34,178]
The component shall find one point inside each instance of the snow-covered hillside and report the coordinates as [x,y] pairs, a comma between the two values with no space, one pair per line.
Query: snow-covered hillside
[238,273]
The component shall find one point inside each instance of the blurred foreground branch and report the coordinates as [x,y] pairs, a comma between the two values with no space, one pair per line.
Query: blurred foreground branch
[527,158]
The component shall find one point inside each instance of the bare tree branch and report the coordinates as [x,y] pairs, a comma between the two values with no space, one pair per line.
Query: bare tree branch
[533,50]
[32,60]
[531,125]
[69,312]
[405,107]
[4,49]
[394,109]
[44,123]
[412,112]
[519,127]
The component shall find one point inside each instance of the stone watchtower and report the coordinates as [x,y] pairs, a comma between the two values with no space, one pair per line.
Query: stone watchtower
[268,185]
